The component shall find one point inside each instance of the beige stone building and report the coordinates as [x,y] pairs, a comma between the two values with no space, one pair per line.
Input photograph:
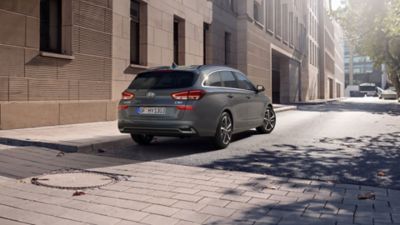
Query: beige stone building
[67,61]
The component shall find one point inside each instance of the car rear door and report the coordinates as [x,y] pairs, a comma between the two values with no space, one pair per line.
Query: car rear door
[255,104]
[239,102]
[153,94]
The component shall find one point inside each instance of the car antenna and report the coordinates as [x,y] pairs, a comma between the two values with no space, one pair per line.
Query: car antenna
[173,66]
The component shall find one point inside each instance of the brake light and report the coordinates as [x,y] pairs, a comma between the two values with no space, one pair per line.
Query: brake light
[126,95]
[188,95]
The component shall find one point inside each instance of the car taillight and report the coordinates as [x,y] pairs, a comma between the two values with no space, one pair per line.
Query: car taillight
[126,95]
[188,95]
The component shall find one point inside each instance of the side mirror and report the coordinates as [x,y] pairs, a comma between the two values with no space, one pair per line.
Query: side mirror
[260,88]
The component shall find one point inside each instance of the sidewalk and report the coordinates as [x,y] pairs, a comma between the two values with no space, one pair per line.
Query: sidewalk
[320,101]
[163,194]
[84,137]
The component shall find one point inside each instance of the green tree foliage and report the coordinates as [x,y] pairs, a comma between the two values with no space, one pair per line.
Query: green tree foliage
[373,28]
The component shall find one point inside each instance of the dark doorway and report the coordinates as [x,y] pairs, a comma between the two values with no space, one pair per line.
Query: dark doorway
[276,86]
[330,81]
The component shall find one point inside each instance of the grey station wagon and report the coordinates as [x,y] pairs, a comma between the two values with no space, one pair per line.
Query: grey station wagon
[207,101]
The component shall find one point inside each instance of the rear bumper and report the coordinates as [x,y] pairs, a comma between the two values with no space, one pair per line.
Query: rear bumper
[158,128]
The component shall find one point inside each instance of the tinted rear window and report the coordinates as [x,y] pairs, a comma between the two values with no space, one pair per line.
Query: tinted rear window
[163,80]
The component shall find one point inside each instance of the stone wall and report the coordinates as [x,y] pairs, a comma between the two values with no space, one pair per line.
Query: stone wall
[40,89]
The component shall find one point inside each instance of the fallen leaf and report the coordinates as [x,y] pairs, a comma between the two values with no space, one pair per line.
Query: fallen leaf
[78,193]
[60,154]
[366,195]
[381,174]
[271,187]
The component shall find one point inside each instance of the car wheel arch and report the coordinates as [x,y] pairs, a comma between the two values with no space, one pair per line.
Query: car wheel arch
[231,115]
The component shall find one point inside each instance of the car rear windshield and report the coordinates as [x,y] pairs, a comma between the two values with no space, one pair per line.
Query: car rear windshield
[163,80]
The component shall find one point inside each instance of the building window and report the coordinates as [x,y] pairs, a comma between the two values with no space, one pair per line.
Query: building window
[176,42]
[135,32]
[278,18]
[259,11]
[206,28]
[227,43]
[291,28]
[269,9]
[296,32]
[285,23]
[230,5]
[179,42]
[50,26]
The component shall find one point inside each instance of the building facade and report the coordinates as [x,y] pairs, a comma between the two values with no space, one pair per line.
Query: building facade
[67,61]
[360,69]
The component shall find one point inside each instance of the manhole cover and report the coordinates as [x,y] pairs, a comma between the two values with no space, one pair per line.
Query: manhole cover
[76,179]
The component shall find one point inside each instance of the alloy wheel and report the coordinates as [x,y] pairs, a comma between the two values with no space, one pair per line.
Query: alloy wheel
[226,129]
[269,119]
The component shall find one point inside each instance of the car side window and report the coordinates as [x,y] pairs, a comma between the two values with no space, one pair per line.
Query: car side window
[213,80]
[229,79]
[243,82]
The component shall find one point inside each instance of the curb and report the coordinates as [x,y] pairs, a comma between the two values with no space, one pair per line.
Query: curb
[285,108]
[66,147]
[318,102]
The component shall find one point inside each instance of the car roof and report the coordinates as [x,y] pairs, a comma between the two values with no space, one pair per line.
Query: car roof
[205,69]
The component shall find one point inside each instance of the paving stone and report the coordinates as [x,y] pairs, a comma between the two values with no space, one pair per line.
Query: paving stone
[217,211]
[283,213]
[239,205]
[187,197]
[29,217]
[129,204]
[216,220]
[189,205]
[125,222]
[210,194]
[261,201]
[89,217]
[236,198]
[192,216]
[214,202]
[161,201]
[186,190]
[284,199]
[161,210]
[183,222]
[157,220]
[4,221]
[256,194]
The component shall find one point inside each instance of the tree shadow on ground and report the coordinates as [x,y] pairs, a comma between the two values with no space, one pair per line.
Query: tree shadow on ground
[166,147]
[332,197]
[365,160]
[391,109]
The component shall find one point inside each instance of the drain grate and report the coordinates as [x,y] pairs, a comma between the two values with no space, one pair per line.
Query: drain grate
[77,179]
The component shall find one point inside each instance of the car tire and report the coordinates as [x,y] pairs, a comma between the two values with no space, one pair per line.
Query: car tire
[269,121]
[223,134]
[142,139]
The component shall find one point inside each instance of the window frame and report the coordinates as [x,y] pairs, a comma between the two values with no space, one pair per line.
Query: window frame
[212,74]
[137,22]
[46,34]
[227,48]
[241,75]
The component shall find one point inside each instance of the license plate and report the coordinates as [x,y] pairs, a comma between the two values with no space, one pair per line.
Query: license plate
[152,110]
